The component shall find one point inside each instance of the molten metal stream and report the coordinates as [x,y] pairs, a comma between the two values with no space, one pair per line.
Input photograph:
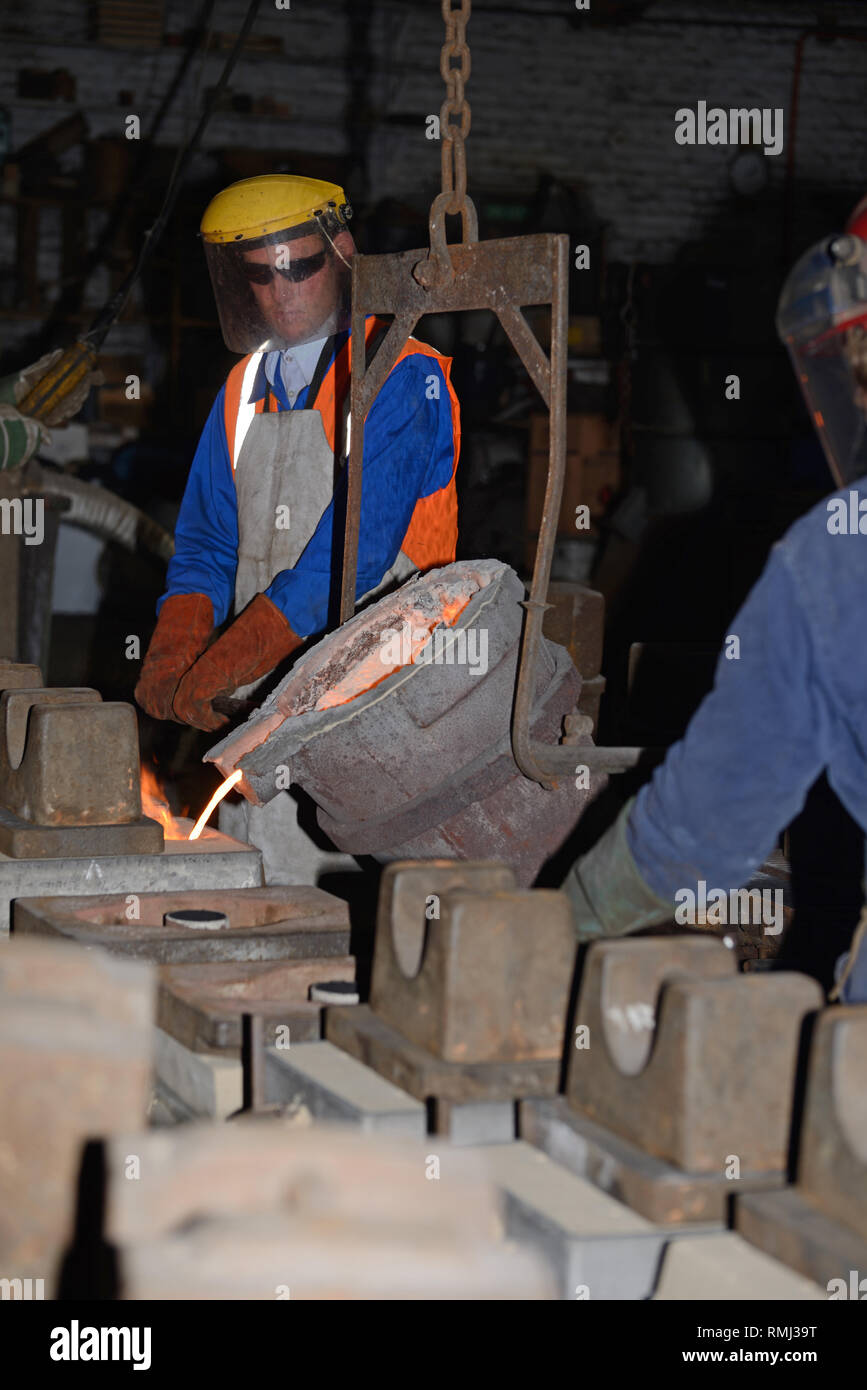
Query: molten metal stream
[215,800]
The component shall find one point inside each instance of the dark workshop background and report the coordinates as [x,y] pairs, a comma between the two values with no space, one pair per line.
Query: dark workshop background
[572,130]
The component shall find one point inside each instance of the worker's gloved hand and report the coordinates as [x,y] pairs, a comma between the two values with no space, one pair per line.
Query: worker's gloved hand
[256,642]
[70,402]
[20,437]
[185,623]
[608,895]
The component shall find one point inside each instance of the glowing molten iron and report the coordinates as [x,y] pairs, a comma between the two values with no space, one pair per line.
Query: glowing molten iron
[225,786]
[401,630]
[155,805]
[368,672]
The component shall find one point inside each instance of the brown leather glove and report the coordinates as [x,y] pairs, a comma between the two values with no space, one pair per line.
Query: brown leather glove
[256,642]
[185,623]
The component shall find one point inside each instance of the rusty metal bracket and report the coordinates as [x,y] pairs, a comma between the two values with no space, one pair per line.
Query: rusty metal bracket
[503,276]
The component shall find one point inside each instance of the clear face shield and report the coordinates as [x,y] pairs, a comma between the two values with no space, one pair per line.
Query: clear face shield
[280,291]
[822,319]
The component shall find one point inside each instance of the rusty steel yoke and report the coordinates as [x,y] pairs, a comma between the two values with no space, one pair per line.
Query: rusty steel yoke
[504,276]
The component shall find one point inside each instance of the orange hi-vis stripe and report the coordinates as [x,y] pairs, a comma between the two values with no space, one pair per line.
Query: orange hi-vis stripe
[432,535]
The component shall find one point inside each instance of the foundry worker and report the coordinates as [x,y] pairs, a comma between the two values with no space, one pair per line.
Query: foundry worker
[794,702]
[255,535]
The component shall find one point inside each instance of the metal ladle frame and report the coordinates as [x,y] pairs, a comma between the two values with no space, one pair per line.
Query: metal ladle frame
[503,276]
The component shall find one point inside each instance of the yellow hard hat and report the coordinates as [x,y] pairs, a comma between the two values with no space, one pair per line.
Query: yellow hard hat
[270,203]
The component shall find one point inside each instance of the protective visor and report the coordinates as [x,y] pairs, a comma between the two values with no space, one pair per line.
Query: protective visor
[271,297]
[822,319]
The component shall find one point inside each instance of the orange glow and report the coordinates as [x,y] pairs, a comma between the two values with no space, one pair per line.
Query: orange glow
[817,416]
[453,609]
[155,805]
[368,674]
[215,800]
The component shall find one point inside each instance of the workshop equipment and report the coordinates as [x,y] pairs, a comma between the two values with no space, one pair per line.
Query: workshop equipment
[76,1034]
[470,989]
[264,1211]
[665,1104]
[819,1226]
[417,762]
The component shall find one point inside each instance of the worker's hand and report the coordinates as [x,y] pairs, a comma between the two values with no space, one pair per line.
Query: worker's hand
[20,437]
[69,404]
[185,623]
[256,642]
[608,895]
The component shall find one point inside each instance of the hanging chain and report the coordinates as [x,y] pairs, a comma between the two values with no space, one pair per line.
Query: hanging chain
[436,269]
[454,159]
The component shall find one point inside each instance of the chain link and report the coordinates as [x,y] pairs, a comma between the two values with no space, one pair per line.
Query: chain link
[454,159]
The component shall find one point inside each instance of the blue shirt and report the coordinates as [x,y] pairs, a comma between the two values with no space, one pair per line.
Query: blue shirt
[408,454]
[791,704]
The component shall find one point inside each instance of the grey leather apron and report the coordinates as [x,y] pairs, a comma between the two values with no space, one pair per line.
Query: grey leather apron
[283,460]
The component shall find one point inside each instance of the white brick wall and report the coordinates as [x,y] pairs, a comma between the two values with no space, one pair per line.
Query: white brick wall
[549,91]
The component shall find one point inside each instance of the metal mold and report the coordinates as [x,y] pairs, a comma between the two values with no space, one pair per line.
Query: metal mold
[213,861]
[20,840]
[680,1087]
[819,1227]
[674,1034]
[19,675]
[265,924]
[470,985]
[421,1074]
[69,776]
[470,967]
[203,1006]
